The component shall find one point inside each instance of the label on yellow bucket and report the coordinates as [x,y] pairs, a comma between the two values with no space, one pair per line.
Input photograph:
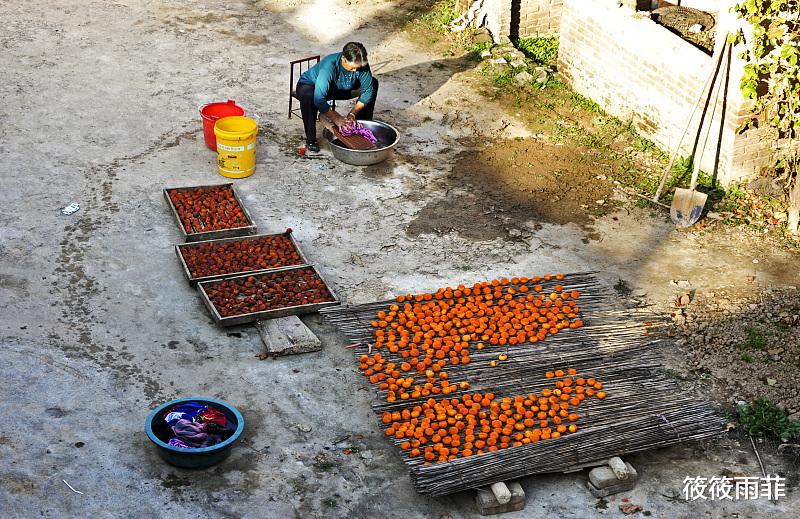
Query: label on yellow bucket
[225,147]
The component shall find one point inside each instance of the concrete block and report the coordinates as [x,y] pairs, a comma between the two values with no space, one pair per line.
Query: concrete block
[603,481]
[287,336]
[488,505]
[623,486]
[604,476]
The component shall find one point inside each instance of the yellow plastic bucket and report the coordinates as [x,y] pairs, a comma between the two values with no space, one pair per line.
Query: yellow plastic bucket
[236,146]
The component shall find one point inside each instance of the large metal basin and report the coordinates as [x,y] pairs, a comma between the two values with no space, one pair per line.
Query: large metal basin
[387,136]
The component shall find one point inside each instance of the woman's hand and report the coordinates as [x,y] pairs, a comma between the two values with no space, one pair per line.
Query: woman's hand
[336,119]
[351,119]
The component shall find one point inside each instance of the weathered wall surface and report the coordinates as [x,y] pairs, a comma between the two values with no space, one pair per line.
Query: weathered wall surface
[498,19]
[639,71]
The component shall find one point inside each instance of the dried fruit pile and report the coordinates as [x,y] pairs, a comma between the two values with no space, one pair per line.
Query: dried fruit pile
[204,209]
[421,335]
[476,423]
[431,331]
[243,255]
[268,291]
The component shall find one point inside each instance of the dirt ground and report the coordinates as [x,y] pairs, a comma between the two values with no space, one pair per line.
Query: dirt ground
[496,186]
[100,108]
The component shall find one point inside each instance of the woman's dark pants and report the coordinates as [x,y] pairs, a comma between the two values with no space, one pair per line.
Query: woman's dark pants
[305,93]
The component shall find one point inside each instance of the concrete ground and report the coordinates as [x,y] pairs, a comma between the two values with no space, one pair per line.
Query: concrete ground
[99,107]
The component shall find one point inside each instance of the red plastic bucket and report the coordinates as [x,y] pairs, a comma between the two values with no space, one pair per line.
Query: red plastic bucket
[213,111]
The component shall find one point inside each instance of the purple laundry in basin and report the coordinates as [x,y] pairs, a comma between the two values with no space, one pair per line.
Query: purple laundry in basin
[355,129]
[175,442]
[194,434]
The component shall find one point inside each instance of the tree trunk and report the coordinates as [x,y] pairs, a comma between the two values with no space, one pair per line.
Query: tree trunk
[793,165]
[794,206]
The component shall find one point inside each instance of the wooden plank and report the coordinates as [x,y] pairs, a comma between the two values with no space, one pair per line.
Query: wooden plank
[287,336]
[354,142]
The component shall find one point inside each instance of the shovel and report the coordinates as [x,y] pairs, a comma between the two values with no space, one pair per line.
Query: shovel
[687,204]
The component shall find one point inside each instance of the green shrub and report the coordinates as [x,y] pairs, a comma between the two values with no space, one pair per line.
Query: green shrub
[763,418]
[543,51]
[440,16]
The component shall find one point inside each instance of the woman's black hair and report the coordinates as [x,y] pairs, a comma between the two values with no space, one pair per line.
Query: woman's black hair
[355,53]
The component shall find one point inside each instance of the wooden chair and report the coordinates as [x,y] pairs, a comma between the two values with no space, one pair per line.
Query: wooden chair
[301,65]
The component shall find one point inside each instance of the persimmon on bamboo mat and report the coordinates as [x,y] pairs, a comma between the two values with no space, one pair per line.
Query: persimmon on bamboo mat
[512,377]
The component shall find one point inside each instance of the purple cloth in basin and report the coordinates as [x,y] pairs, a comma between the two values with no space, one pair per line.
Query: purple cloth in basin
[354,129]
[194,434]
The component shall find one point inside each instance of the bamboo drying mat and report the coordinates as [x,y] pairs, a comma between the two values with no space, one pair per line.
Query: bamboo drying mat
[643,409]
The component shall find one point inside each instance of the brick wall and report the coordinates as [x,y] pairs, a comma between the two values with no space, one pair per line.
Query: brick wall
[639,71]
[533,18]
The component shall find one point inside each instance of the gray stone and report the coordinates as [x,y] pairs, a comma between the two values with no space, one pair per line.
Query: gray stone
[488,505]
[540,74]
[518,63]
[287,336]
[766,186]
[523,77]
[501,492]
[619,468]
[482,36]
[498,61]
[486,54]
